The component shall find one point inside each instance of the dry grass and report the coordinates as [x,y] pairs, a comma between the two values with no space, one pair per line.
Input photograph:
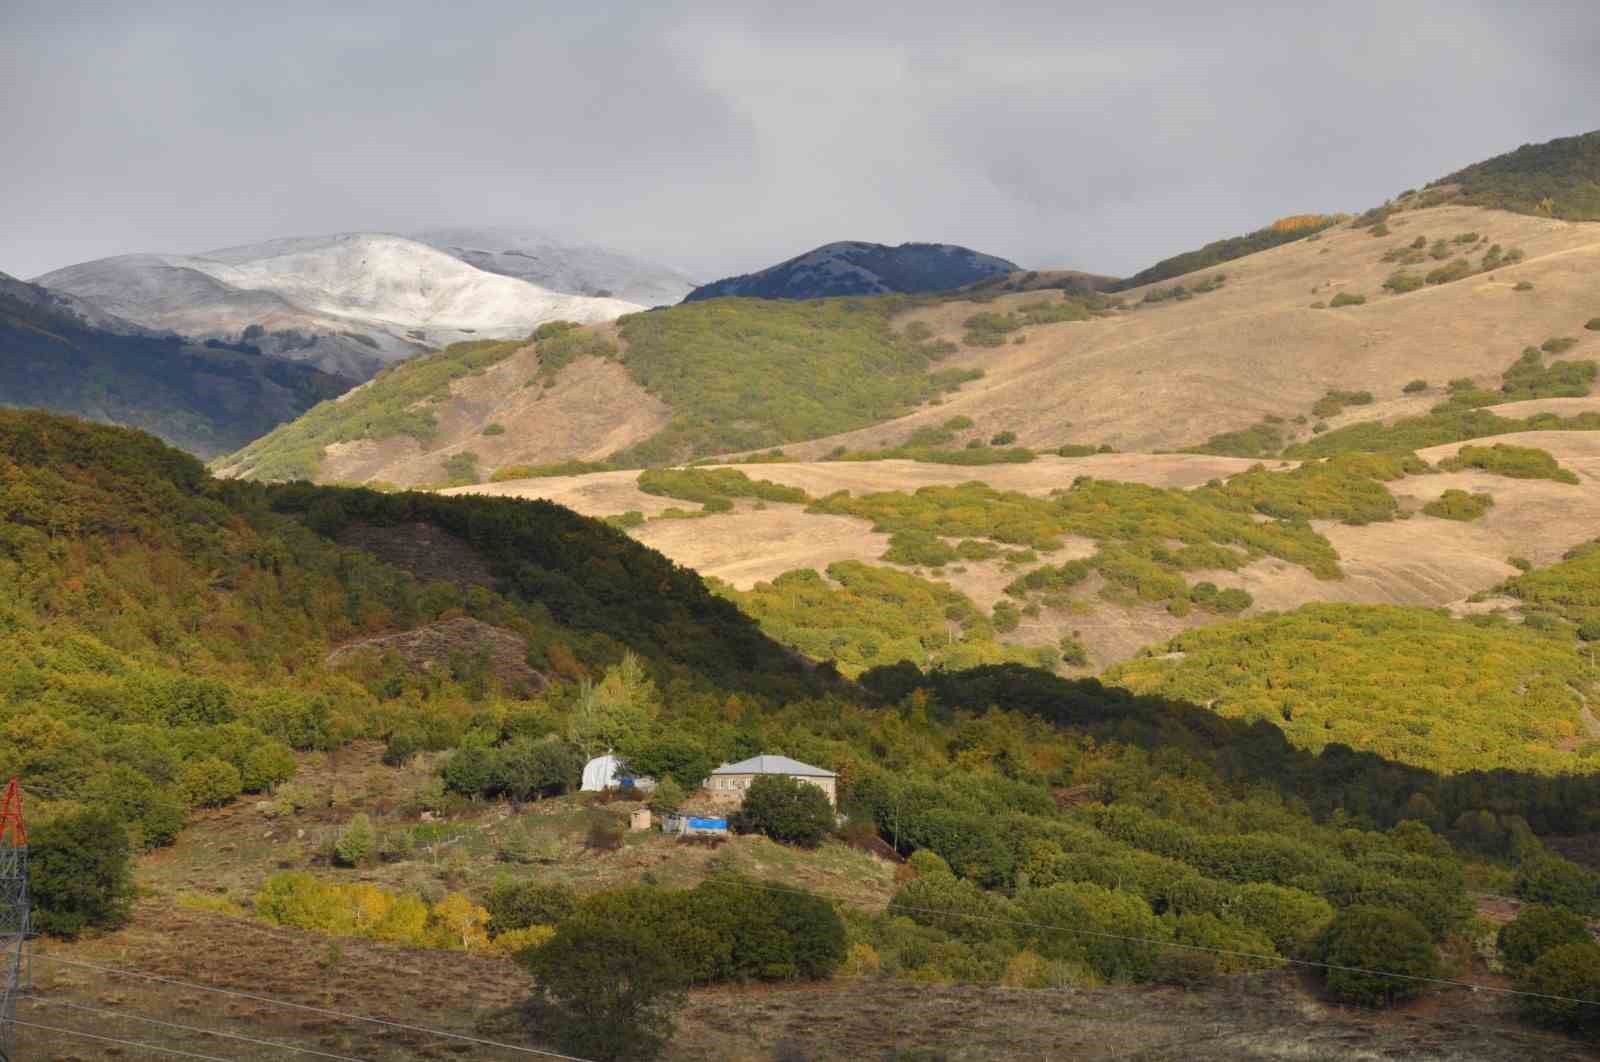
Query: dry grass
[1270,1016]
[1173,374]
[594,409]
[1420,560]
[1158,377]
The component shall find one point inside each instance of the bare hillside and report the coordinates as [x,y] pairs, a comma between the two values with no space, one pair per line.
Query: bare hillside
[1174,373]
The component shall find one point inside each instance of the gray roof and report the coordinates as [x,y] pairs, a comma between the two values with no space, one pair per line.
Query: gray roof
[773,765]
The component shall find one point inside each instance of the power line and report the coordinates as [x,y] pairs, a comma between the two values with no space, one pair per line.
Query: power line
[310,1009]
[127,1016]
[1233,953]
[114,1040]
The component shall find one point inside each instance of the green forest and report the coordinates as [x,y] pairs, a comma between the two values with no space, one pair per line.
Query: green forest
[1285,230]
[1411,684]
[1560,179]
[749,374]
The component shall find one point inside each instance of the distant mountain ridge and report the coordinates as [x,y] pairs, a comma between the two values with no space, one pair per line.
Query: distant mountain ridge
[62,354]
[856,268]
[349,303]
[559,265]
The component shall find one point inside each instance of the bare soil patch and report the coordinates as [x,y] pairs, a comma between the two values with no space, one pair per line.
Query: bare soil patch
[423,550]
[437,644]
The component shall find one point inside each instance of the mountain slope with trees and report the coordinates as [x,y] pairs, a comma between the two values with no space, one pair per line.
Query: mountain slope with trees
[855,268]
[64,355]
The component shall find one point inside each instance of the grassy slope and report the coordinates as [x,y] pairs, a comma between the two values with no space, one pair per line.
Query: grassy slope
[395,402]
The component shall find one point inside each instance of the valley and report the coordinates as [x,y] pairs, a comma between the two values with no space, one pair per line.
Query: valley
[890,653]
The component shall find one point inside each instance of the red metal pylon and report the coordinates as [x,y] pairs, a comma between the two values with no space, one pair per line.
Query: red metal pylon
[11,817]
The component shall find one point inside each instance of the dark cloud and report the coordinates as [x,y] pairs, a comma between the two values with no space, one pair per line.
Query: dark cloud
[722,136]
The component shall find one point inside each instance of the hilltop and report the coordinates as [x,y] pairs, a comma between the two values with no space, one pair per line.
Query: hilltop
[349,303]
[855,268]
[66,355]
[1560,179]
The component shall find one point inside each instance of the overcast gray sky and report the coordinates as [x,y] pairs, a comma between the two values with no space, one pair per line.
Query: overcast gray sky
[724,136]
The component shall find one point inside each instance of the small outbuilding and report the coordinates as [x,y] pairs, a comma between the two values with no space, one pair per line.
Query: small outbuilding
[733,779]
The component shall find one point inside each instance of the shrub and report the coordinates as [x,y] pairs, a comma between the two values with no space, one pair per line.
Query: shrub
[1456,504]
[1121,942]
[1447,274]
[1003,438]
[1515,462]
[607,990]
[605,832]
[1400,282]
[1006,617]
[1536,929]
[1415,386]
[515,905]
[1291,918]
[1073,654]
[785,809]
[211,782]
[80,873]
[1593,325]
[668,796]
[1363,940]
[461,470]
[1550,879]
[1344,298]
[494,429]
[356,841]
[1558,980]
[1523,285]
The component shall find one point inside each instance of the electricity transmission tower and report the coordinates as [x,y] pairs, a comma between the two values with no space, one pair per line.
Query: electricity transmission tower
[13,916]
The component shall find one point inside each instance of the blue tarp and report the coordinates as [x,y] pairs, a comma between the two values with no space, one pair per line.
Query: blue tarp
[707,824]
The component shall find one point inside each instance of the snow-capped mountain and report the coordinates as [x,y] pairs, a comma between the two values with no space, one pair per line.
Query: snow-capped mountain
[350,303]
[577,269]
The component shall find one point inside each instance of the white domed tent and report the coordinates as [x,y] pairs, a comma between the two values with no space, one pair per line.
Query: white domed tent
[602,772]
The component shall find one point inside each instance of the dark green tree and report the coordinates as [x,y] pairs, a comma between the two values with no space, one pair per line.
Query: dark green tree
[1536,929]
[1377,955]
[786,810]
[1546,878]
[606,990]
[1558,981]
[519,904]
[680,758]
[80,873]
